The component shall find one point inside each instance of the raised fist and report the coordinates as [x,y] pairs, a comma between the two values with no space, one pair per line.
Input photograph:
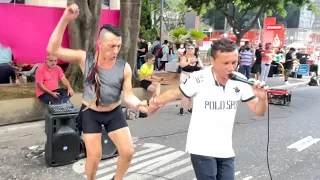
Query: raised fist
[71,12]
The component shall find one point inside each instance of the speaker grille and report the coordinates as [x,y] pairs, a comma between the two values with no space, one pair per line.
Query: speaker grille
[66,145]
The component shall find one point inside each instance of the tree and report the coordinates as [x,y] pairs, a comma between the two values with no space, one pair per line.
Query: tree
[147,30]
[180,36]
[173,14]
[237,11]
[129,24]
[82,35]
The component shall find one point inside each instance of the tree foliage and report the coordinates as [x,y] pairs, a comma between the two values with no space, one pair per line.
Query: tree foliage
[173,14]
[237,12]
[196,35]
[147,30]
[179,36]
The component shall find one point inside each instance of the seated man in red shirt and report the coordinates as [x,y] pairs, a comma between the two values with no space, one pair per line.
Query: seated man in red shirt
[47,78]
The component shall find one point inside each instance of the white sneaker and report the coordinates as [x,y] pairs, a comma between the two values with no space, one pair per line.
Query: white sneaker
[287,83]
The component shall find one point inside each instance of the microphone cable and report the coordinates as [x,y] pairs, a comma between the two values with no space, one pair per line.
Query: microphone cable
[268,136]
[238,78]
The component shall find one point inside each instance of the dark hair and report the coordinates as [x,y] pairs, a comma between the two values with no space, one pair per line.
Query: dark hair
[158,38]
[292,49]
[222,45]
[111,28]
[165,42]
[148,56]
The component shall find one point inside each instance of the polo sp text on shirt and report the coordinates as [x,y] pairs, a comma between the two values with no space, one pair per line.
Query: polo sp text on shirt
[220,105]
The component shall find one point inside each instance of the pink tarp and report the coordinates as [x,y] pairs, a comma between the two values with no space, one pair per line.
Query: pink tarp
[27,29]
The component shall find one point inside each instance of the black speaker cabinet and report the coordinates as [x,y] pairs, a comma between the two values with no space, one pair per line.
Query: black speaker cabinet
[63,140]
[109,149]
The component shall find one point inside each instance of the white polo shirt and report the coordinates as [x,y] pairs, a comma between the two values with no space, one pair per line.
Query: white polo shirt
[214,110]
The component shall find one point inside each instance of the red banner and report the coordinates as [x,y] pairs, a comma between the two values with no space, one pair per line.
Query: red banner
[273,33]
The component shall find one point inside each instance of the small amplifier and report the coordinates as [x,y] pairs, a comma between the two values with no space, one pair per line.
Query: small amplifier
[279,97]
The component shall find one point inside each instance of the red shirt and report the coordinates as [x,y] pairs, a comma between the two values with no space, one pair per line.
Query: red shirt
[48,77]
[267,58]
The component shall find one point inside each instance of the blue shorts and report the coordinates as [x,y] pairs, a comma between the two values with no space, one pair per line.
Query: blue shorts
[210,168]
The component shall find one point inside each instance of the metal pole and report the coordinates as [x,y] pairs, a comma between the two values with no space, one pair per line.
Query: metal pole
[259,24]
[161,19]
[225,25]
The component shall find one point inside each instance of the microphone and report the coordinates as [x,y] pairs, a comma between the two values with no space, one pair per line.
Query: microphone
[238,78]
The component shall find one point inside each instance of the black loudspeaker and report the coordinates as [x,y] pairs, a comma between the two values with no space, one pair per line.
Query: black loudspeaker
[109,149]
[63,140]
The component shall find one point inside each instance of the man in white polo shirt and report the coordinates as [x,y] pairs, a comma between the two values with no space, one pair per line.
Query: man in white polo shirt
[209,139]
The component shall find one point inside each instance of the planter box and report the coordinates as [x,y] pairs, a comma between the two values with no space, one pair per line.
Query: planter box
[31,109]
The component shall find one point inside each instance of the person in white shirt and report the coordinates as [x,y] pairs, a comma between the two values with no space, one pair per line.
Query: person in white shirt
[216,98]
[166,55]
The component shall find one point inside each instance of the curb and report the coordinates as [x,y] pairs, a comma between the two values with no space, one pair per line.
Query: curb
[16,115]
[291,86]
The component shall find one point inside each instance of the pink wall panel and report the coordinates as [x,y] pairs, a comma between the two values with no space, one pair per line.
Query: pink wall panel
[27,29]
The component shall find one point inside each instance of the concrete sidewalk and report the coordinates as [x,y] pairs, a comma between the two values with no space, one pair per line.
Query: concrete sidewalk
[277,82]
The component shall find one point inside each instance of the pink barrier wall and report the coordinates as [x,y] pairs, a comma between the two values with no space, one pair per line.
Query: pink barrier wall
[27,29]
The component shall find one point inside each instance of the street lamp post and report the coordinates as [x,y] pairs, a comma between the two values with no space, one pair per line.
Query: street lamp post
[161,19]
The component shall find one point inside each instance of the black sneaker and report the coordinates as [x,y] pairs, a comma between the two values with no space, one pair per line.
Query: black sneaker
[190,110]
[181,112]
[143,115]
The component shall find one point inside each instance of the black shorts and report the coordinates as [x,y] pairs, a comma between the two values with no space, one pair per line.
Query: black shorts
[256,68]
[145,84]
[91,120]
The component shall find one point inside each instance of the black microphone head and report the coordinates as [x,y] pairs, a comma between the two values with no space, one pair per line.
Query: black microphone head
[232,76]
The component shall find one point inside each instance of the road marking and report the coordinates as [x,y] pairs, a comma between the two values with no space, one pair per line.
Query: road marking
[150,158]
[154,164]
[303,143]
[150,162]
[247,178]
[237,173]
[177,173]
[79,166]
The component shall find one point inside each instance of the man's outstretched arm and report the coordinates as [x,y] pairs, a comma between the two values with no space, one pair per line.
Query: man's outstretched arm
[54,46]
[167,96]
[131,99]
[188,89]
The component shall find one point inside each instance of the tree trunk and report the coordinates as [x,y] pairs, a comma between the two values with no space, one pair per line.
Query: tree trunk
[82,34]
[239,36]
[130,23]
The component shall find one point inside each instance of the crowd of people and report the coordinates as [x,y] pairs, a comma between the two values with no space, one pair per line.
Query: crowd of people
[256,63]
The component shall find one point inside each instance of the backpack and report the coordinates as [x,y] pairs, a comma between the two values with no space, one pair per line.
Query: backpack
[155,48]
[159,53]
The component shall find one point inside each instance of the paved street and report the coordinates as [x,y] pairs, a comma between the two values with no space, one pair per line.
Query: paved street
[161,141]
